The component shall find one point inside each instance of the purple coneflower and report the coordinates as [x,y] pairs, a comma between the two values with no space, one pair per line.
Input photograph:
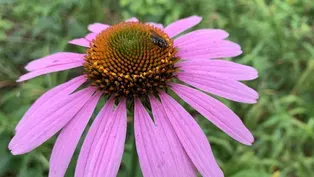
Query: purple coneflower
[134,65]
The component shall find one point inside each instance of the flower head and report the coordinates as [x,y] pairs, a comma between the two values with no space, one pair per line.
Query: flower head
[131,59]
[132,63]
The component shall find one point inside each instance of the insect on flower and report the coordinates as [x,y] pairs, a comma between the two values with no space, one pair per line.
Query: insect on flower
[158,40]
[132,63]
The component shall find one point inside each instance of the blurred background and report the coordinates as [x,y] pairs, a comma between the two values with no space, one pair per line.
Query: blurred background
[277,38]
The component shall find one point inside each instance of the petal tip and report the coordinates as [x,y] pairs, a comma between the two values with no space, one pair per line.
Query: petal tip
[20,79]
[198,18]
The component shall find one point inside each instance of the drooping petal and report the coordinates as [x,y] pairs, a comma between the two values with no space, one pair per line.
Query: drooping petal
[151,159]
[157,25]
[80,42]
[50,69]
[97,27]
[55,59]
[209,49]
[69,137]
[50,98]
[102,150]
[226,88]
[114,147]
[93,136]
[53,120]
[216,112]
[195,37]
[133,19]
[191,137]
[181,25]
[177,162]
[218,68]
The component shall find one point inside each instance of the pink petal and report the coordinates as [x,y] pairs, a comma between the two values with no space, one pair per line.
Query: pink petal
[209,49]
[149,151]
[133,19]
[179,26]
[55,59]
[196,36]
[91,36]
[97,27]
[216,112]
[69,137]
[218,68]
[53,120]
[176,161]
[157,25]
[50,69]
[225,88]
[191,137]
[80,42]
[102,150]
[93,137]
[49,98]
[113,150]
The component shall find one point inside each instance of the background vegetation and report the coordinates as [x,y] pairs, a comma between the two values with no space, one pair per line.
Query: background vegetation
[277,37]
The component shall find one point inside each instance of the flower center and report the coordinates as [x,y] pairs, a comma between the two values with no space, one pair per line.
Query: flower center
[131,59]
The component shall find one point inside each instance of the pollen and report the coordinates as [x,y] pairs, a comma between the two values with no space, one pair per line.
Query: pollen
[131,59]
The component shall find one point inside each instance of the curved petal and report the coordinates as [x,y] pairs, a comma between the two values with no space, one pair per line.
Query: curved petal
[191,137]
[218,68]
[177,162]
[216,112]
[196,36]
[69,137]
[226,88]
[53,120]
[50,69]
[91,36]
[97,27]
[114,147]
[50,98]
[102,153]
[80,42]
[93,137]
[209,49]
[181,25]
[149,151]
[55,59]
[133,19]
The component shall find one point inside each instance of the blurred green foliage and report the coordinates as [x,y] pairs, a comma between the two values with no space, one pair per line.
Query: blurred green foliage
[277,38]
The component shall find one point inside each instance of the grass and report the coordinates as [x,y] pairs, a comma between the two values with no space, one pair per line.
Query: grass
[277,38]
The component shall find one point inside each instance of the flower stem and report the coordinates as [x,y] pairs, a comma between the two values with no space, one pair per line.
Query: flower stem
[134,160]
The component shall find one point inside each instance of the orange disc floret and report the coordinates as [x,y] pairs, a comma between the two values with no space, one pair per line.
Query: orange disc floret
[131,59]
